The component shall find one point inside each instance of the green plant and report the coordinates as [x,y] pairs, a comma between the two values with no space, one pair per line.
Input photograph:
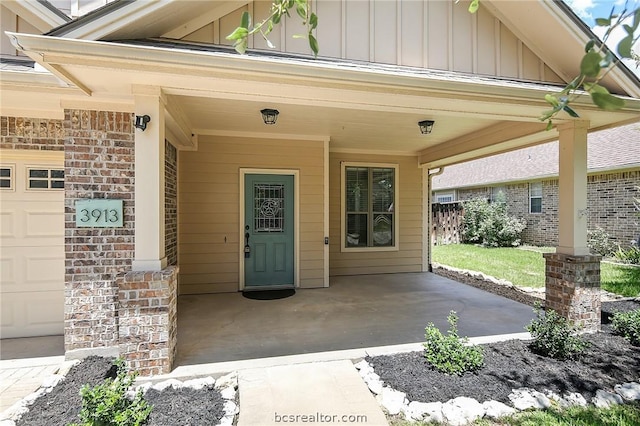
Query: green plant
[599,242]
[630,255]
[627,324]
[489,224]
[553,335]
[107,404]
[449,354]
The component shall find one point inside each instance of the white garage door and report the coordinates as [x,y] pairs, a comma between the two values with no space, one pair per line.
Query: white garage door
[31,243]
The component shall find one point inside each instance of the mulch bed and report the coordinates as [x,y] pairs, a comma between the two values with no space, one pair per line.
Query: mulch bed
[171,407]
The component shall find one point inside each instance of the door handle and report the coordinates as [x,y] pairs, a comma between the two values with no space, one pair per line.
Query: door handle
[247,247]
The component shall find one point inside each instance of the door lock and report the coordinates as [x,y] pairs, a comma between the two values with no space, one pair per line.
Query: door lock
[247,247]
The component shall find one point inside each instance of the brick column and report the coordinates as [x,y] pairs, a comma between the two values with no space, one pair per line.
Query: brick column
[148,321]
[573,288]
[99,164]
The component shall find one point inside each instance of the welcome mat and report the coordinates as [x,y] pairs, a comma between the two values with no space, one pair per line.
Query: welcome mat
[269,294]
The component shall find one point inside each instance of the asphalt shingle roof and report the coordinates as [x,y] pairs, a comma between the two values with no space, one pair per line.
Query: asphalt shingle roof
[607,149]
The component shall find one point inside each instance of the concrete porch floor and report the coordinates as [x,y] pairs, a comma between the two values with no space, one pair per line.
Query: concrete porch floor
[354,312]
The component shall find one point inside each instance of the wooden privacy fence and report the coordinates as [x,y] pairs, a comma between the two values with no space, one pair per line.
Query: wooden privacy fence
[446,223]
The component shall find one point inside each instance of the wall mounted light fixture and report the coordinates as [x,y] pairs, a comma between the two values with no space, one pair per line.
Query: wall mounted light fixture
[142,121]
[269,116]
[426,126]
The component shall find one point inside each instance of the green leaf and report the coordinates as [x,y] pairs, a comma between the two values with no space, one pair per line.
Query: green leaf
[313,21]
[238,34]
[241,46]
[570,111]
[302,11]
[602,22]
[276,19]
[608,60]
[595,88]
[589,46]
[606,101]
[313,43]
[473,6]
[246,20]
[551,100]
[590,64]
[624,47]
[549,125]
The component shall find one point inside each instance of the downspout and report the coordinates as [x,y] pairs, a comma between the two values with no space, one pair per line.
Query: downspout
[430,175]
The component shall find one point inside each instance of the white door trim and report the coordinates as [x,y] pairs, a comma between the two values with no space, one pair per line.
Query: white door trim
[296,213]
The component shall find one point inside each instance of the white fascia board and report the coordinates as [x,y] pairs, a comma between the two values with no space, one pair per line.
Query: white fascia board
[35,13]
[175,60]
[30,78]
[120,18]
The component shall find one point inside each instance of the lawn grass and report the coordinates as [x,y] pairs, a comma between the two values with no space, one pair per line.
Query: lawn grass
[524,267]
[618,415]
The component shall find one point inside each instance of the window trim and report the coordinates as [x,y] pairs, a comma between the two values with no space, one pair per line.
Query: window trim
[531,197]
[48,179]
[343,207]
[493,192]
[12,177]
[437,195]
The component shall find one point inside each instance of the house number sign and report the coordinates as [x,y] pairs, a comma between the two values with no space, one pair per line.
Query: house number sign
[99,213]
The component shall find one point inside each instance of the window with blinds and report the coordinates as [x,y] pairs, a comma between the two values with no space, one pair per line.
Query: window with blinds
[535,197]
[370,211]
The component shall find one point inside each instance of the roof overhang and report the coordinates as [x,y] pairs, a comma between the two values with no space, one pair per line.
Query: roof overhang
[41,14]
[359,107]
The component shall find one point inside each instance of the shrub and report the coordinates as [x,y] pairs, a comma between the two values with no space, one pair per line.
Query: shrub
[107,404]
[627,324]
[489,224]
[599,242]
[448,354]
[553,335]
[630,255]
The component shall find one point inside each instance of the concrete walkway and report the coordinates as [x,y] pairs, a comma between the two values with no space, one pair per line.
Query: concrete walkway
[314,393]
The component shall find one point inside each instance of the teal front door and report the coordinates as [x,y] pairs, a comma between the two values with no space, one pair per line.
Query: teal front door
[268,231]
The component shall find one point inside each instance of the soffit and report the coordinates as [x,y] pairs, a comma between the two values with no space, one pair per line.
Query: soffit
[357,109]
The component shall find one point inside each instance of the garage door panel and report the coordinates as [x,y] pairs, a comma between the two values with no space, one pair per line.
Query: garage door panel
[7,224]
[43,224]
[40,315]
[32,254]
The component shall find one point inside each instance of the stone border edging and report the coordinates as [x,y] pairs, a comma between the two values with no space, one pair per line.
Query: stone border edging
[463,410]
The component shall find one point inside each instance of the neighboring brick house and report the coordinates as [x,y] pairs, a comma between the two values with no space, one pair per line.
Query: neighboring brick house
[528,181]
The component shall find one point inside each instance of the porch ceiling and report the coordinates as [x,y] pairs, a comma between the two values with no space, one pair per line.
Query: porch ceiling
[357,107]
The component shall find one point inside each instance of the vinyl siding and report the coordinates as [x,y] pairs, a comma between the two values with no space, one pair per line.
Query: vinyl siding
[421,33]
[209,208]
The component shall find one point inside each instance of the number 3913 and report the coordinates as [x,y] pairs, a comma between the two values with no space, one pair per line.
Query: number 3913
[99,215]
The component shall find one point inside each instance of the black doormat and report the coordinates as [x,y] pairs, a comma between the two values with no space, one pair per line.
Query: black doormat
[269,294]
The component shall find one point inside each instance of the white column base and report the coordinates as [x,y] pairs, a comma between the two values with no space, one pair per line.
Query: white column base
[149,265]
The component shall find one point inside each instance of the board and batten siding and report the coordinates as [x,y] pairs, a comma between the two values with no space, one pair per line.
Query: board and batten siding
[408,258]
[209,208]
[432,34]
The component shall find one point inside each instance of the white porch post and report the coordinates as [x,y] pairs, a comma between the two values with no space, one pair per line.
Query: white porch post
[150,185]
[572,187]
[572,276]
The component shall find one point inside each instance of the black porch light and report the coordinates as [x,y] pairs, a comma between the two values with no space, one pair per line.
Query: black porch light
[426,126]
[269,116]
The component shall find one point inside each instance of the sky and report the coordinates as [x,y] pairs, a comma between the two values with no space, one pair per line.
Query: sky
[588,10]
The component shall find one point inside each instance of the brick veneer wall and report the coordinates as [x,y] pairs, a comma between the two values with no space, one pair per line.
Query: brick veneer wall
[171,203]
[99,163]
[609,200]
[31,134]
[148,320]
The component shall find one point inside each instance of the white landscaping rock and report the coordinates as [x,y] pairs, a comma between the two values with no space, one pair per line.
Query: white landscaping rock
[375,386]
[362,365]
[199,383]
[462,410]
[230,379]
[176,384]
[525,398]
[392,400]
[629,391]
[231,408]
[572,400]
[604,399]
[226,421]
[31,398]
[496,409]
[228,393]
[427,411]
[50,382]
[7,422]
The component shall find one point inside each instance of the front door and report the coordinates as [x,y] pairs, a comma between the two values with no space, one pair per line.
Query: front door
[268,231]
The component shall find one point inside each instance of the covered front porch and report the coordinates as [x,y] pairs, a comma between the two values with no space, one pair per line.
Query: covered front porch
[353,312]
